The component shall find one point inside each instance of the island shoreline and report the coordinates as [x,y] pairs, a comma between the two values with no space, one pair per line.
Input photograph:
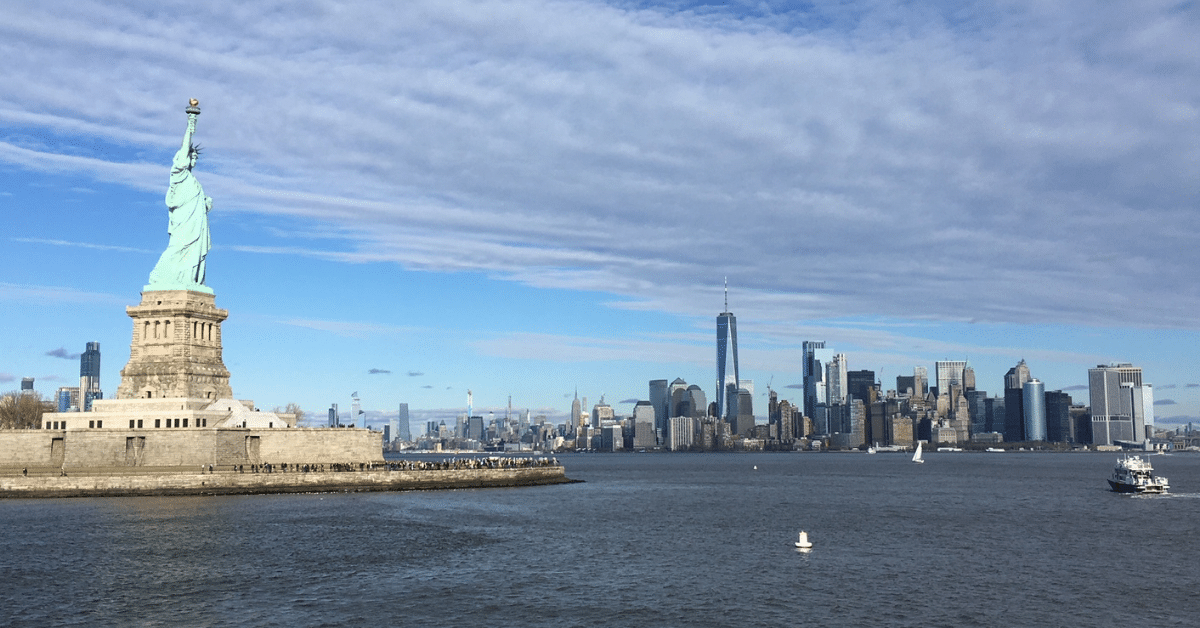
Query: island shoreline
[179,484]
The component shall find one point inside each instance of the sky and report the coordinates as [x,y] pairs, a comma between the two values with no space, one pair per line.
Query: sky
[537,199]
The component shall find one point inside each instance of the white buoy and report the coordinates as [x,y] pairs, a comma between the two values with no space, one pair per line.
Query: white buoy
[803,542]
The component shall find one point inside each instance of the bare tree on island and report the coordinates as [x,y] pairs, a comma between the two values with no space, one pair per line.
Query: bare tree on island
[23,409]
[293,409]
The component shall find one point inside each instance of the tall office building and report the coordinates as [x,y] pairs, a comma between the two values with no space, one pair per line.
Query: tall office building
[602,413]
[1146,409]
[1111,392]
[333,415]
[475,427]
[813,373]
[678,396]
[680,434]
[1034,400]
[612,438]
[660,398]
[860,385]
[977,411]
[89,376]
[1141,404]
[392,431]
[405,429]
[836,380]
[773,413]
[727,358]
[644,432]
[697,403]
[949,373]
[27,383]
[1014,402]
[576,411]
[65,398]
[968,379]
[743,421]
[996,415]
[920,381]
[1058,417]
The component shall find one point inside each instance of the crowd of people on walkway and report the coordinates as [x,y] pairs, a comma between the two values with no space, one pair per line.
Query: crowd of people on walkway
[491,462]
[450,464]
[455,464]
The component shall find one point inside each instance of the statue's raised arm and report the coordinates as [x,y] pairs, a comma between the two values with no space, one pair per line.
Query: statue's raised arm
[181,266]
[183,155]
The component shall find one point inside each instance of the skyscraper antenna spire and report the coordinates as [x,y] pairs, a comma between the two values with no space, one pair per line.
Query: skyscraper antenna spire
[726,293]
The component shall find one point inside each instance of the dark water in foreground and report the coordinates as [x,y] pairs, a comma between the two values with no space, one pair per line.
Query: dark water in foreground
[649,540]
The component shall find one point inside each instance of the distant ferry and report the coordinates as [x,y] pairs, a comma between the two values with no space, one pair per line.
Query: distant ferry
[1134,475]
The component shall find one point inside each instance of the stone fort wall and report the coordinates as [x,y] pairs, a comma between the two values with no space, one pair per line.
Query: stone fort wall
[121,448]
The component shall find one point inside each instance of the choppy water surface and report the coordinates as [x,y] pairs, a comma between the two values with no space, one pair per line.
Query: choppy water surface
[647,540]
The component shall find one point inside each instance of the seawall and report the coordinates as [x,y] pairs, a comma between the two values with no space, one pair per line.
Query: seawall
[96,483]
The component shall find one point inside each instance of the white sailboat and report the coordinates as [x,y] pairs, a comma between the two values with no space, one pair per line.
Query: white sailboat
[803,542]
[917,454]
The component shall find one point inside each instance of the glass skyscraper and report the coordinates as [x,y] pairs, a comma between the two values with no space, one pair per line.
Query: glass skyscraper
[660,399]
[89,376]
[815,355]
[727,360]
[405,430]
[1034,399]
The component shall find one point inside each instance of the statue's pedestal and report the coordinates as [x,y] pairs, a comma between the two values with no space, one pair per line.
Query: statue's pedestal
[176,348]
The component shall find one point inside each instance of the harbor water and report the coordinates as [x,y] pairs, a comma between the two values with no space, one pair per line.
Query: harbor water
[967,539]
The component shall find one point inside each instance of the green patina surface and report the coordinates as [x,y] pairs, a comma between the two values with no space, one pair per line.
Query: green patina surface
[181,266]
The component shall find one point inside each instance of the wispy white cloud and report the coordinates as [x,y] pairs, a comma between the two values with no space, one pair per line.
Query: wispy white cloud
[567,349]
[349,329]
[40,295]
[1008,162]
[85,245]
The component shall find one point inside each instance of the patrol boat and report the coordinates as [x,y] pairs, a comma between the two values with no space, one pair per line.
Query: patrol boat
[1134,475]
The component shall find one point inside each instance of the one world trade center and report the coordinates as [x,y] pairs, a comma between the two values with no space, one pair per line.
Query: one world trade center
[727,373]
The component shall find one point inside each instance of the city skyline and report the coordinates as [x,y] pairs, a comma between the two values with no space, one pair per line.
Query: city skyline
[521,211]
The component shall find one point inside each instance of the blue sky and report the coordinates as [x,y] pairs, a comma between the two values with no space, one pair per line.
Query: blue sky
[525,198]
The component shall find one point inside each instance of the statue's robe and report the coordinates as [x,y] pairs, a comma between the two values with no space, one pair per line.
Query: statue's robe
[181,266]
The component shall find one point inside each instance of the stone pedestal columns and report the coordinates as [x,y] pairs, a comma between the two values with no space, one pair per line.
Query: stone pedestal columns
[176,348]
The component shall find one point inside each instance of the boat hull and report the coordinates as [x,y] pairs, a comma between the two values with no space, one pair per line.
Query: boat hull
[1121,487]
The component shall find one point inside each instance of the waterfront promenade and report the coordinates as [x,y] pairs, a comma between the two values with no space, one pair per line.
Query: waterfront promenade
[267,478]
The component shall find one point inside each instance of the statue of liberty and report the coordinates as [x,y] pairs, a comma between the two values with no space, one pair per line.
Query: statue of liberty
[181,266]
